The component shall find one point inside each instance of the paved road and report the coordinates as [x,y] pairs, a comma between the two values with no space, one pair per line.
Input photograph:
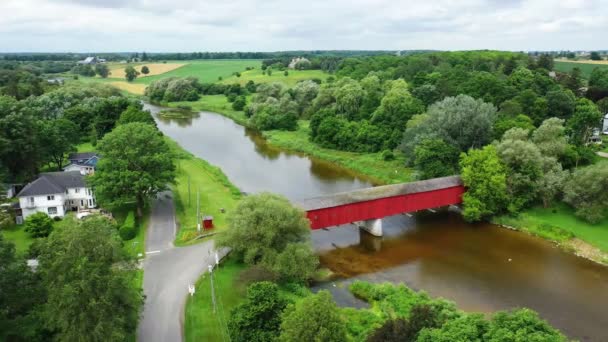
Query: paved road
[168,271]
[603,154]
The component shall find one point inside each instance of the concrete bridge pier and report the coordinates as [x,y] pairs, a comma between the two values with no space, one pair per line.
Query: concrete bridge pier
[373,226]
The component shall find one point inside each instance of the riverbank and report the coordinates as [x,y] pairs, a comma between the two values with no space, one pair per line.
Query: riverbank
[196,179]
[371,165]
[559,225]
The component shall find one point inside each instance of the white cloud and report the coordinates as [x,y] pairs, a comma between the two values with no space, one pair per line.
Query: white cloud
[266,25]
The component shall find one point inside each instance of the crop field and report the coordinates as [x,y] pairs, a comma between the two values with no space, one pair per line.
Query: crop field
[585,66]
[117,70]
[207,71]
[293,77]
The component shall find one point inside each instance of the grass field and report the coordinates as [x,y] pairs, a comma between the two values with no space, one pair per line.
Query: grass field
[585,66]
[293,77]
[201,323]
[216,193]
[562,217]
[17,235]
[207,71]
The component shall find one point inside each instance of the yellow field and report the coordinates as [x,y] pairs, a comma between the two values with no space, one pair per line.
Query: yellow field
[587,61]
[118,70]
[134,88]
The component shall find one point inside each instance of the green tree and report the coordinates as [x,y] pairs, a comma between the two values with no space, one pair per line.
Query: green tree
[296,263]
[586,118]
[137,164]
[485,177]
[145,70]
[239,103]
[599,78]
[407,330]
[561,103]
[545,61]
[102,70]
[264,226]
[465,328]
[521,326]
[134,114]
[435,158]
[131,73]
[586,192]
[58,138]
[90,283]
[524,167]
[21,298]
[258,318]
[595,56]
[313,319]
[285,73]
[574,81]
[39,225]
[550,138]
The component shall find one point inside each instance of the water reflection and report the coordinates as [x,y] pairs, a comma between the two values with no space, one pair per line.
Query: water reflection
[251,163]
[481,267]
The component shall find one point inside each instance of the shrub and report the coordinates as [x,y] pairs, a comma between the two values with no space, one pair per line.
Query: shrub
[239,103]
[39,225]
[128,229]
[231,97]
[388,155]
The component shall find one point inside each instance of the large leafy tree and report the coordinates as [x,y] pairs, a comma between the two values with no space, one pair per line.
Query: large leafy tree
[258,318]
[131,73]
[89,279]
[586,191]
[586,117]
[137,164]
[58,138]
[135,114]
[485,177]
[102,70]
[267,229]
[407,330]
[436,158]
[315,318]
[21,298]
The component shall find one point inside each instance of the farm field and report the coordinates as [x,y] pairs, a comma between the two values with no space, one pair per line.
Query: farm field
[293,77]
[585,66]
[117,70]
[206,71]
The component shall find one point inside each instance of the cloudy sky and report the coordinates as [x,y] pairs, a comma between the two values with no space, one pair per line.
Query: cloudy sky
[271,25]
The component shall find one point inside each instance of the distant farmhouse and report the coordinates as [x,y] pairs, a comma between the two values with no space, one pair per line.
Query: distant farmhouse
[56,193]
[295,61]
[84,163]
[605,125]
[92,60]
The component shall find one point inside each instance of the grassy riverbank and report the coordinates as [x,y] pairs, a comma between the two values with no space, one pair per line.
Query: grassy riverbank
[216,193]
[201,322]
[368,164]
[559,224]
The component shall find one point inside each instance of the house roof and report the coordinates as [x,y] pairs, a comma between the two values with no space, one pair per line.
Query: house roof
[378,192]
[53,183]
[82,155]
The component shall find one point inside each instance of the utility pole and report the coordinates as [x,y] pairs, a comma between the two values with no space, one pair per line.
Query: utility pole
[212,289]
[198,210]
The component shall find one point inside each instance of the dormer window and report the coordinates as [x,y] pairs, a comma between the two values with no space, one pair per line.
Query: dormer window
[50,198]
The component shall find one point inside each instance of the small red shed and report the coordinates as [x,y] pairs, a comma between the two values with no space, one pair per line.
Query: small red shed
[208,222]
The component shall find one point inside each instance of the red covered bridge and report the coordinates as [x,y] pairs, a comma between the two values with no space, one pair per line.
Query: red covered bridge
[368,206]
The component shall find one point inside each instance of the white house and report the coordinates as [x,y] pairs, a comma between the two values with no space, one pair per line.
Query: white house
[605,125]
[56,193]
[84,162]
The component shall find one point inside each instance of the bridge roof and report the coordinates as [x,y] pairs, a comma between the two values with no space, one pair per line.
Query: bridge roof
[377,192]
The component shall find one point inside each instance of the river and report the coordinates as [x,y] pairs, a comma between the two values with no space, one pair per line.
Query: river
[481,267]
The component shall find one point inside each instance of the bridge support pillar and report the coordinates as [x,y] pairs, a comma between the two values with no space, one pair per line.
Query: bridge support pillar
[373,227]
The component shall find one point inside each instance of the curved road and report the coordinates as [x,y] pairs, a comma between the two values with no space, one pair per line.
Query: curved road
[168,271]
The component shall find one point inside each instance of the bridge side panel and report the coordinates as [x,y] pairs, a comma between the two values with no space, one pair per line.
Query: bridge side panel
[382,207]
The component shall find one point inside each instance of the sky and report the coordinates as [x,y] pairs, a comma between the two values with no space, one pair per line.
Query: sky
[280,25]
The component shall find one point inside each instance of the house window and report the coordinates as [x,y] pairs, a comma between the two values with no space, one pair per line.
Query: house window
[52,210]
[82,203]
[31,200]
[77,190]
[90,203]
[51,198]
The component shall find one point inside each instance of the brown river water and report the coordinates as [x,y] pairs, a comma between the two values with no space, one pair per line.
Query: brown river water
[481,267]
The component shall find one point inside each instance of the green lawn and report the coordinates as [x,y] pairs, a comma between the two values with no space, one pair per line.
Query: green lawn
[293,77]
[17,235]
[537,221]
[201,323]
[586,68]
[85,147]
[207,71]
[216,193]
